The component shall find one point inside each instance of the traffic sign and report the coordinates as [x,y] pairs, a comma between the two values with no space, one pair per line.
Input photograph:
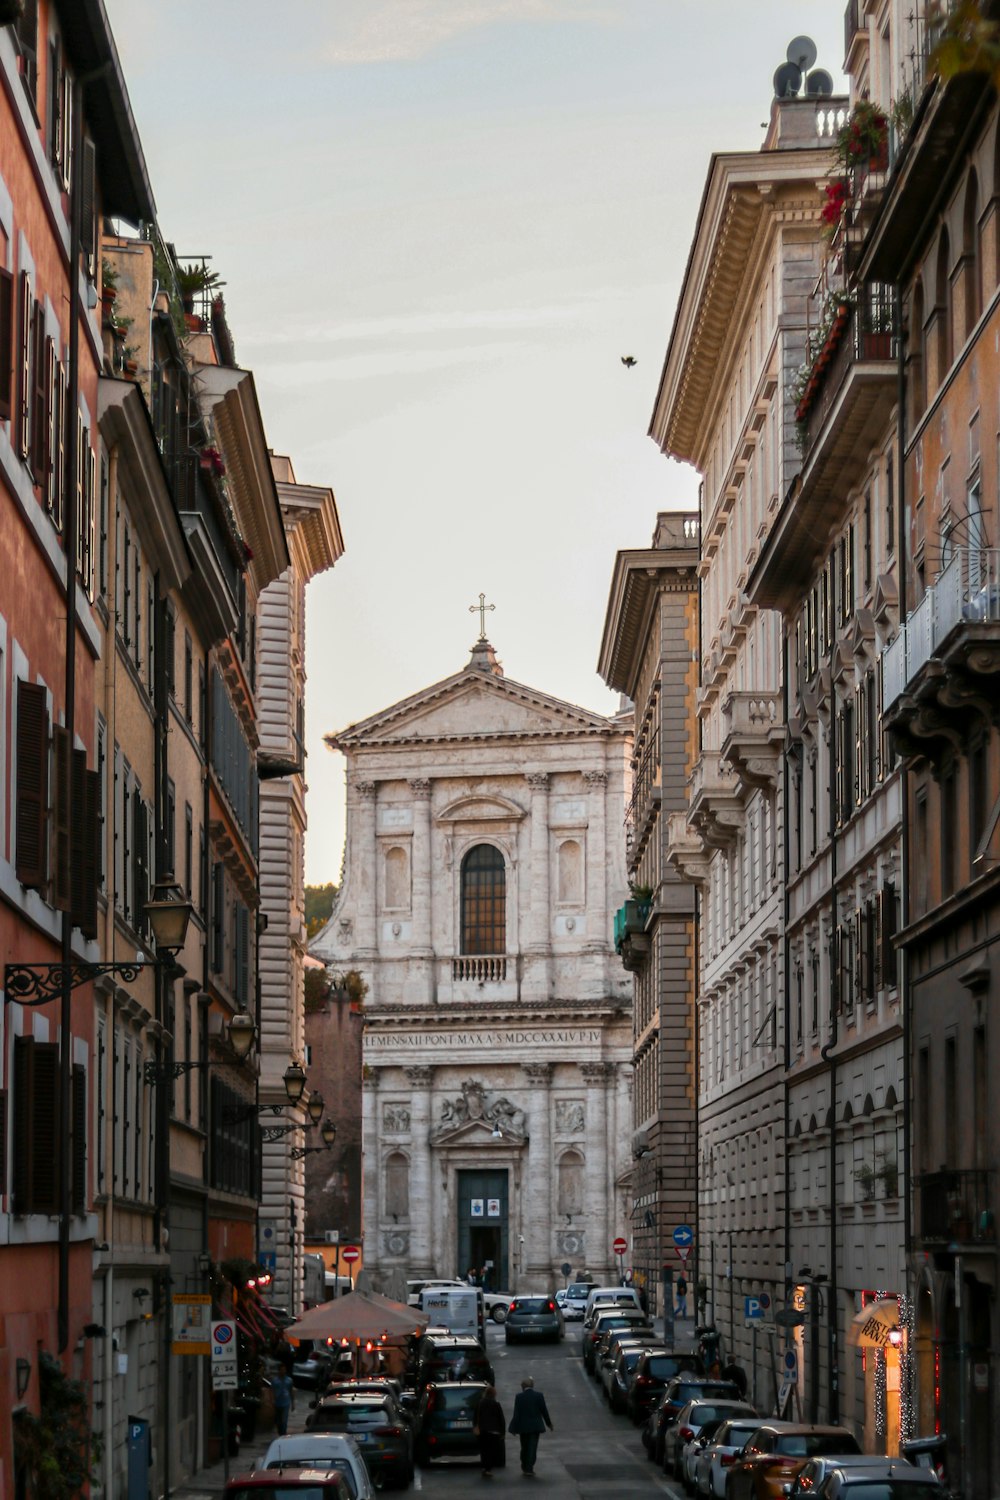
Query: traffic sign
[620,1246]
[350,1253]
[753,1308]
[268,1261]
[684,1235]
[225,1369]
[683,1251]
[791,1365]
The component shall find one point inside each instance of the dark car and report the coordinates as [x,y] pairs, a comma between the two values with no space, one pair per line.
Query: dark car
[777,1451]
[814,1471]
[602,1323]
[653,1372]
[534,1318]
[679,1391]
[280,1484]
[313,1366]
[882,1480]
[446,1420]
[441,1358]
[606,1349]
[618,1379]
[379,1428]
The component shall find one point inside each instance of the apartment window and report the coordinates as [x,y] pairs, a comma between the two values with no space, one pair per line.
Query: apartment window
[188,850]
[845,749]
[924,1103]
[37,1142]
[890,506]
[888,923]
[218,919]
[814,995]
[188,678]
[942,308]
[970,254]
[867,539]
[170,830]
[951,1102]
[150,634]
[26,35]
[32,785]
[949,832]
[979,805]
[102,551]
[798,1005]
[920,852]
[6,344]
[845,971]
[125,582]
[202,708]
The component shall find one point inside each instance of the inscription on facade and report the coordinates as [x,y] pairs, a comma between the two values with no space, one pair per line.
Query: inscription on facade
[424,1040]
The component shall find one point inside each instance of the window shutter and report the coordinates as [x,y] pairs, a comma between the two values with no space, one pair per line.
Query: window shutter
[139,858]
[39,422]
[59,408]
[24,1047]
[45,1132]
[3,1143]
[85,845]
[62,773]
[78,1095]
[55,104]
[6,343]
[66,149]
[24,365]
[888,933]
[32,784]
[88,193]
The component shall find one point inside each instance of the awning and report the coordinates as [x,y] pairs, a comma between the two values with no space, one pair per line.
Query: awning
[874,1326]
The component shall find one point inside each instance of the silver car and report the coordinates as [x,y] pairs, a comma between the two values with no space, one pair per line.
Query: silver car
[714,1460]
[533,1318]
[321,1450]
[679,1438]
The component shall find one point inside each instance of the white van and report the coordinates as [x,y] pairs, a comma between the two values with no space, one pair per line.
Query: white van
[611,1296]
[460,1308]
[414,1288]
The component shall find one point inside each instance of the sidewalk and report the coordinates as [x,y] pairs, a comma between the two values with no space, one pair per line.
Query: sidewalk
[211,1481]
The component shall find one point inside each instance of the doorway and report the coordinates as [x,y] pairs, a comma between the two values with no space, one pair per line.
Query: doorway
[483,1227]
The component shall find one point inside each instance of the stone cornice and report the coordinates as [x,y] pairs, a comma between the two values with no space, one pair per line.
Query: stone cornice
[312,526]
[635,584]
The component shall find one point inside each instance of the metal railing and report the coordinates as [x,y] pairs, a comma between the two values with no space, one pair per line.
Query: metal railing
[957,1206]
[968,590]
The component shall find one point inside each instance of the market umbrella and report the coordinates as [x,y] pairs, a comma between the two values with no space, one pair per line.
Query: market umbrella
[358,1316]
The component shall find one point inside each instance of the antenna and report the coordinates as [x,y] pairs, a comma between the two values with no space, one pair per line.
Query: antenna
[802,52]
[787,81]
[819,84]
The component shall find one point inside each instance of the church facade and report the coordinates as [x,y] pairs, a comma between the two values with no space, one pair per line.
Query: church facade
[484,861]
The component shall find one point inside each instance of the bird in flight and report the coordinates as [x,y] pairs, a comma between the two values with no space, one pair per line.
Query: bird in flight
[628,360]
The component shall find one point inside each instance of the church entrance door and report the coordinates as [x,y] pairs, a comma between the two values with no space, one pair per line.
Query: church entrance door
[483,1226]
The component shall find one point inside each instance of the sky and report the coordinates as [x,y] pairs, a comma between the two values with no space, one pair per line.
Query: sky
[441,224]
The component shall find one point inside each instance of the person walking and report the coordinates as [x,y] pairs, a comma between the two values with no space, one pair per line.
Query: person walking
[281,1395]
[490,1429]
[529,1421]
[681,1310]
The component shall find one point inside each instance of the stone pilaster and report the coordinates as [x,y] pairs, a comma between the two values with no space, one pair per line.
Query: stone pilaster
[422,899]
[598,919]
[541,1171]
[371,1129]
[598,1168]
[366,865]
[539,905]
[422,1188]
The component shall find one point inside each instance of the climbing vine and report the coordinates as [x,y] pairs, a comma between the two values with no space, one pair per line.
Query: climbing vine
[56,1446]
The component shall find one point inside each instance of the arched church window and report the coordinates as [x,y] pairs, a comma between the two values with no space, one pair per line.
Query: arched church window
[484,901]
[397,879]
[570,1183]
[397,1186]
[570,884]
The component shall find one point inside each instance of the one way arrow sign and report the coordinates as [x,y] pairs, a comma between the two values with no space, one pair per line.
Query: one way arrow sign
[683,1235]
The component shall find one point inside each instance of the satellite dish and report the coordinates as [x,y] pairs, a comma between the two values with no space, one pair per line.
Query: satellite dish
[802,52]
[787,81]
[819,84]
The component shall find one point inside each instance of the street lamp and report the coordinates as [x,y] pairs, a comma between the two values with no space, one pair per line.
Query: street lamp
[168,913]
[315,1106]
[294,1079]
[328,1134]
[241,1037]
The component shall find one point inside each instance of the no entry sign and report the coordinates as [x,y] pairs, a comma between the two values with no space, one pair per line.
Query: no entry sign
[350,1253]
[620,1246]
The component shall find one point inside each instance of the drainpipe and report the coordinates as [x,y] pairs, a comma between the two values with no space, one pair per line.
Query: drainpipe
[827,1052]
[786,952]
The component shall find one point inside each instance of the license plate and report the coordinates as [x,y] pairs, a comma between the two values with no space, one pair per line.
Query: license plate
[461,1422]
[361,1437]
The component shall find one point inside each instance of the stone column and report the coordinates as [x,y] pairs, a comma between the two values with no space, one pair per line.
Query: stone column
[598,1243]
[371,1165]
[422,1185]
[541,1172]
[421,900]
[539,922]
[366,864]
[598,920]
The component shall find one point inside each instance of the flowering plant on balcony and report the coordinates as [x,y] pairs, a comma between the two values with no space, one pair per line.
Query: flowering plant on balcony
[865,137]
[212,460]
[967,41]
[834,204]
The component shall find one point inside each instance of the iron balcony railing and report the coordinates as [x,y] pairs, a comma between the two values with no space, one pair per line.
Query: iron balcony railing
[957,1206]
[968,590]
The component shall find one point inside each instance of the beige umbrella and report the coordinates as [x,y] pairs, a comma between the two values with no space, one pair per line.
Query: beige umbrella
[876,1326]
[359,1316]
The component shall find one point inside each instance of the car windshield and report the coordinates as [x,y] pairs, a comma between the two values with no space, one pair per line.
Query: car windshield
[630,1358]
[662,1366]
[455,1398]
[357,1414]
[533,1304]
[703,1413]
[815,1444]
[735,1434]
[578,1289]
[455,1356]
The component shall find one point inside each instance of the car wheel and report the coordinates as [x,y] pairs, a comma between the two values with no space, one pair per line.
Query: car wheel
[507,1338]
[423,1457]
[499,1313]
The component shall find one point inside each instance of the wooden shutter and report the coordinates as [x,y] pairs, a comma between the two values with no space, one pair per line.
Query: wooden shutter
[36,1140]
[140,857]
[57,457]
[85,836]
[24,1047]
[3,1143]
[39,422]
[54,104]
[88,193]
[24,365]
[887,932]
[6,344]
[30,857]
[78,1181]
[62,773]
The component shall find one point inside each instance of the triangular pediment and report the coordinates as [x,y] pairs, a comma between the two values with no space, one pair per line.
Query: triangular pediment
[474,705]
[475,1133]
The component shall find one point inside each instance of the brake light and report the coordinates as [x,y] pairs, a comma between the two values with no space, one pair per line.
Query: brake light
[512,1307]
[643,1380]
[431,1399]
[388,1431]
[552,1307]
[686,1433]
[725,1459]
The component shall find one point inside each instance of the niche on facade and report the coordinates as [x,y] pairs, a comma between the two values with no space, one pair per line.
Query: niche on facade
[396,878]
[397,1186]
[570,1178]
[569,873]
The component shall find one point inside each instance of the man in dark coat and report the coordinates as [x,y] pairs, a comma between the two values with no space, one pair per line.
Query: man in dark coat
[530,1419]
[490,1431]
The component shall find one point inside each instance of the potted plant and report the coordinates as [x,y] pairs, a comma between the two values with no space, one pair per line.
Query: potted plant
[865,137]
[193,280]
[109,291]
[130,360]
[865,1175]
[889,1172]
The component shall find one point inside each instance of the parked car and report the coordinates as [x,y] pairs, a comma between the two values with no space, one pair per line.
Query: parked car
[322,1450]
[690,1420]
[576,1299]
[613,1318]
[888,1479]
[652,1374]
[620,1296]
[372,1385]
[812,1473]
[533,1318]
[377,1425]
[448,1358]
[677,1393]
[775,1453]
[414,1288]
[306,1484]
[446,1420]
[314,1366]
[607,1346]
[618,1376]
[497,1304]
[717,1457]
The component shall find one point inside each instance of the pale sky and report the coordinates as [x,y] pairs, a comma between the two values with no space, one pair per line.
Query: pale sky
[441,223]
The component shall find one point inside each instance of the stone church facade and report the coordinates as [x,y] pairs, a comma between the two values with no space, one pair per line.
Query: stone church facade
[484,862]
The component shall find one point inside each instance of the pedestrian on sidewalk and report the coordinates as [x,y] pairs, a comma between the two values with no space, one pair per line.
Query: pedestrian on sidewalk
[530,1419]
[490,1428]
[681,1310]
[281,1395]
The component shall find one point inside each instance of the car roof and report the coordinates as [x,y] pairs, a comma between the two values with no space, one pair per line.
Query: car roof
[355,1398]
[776,1426]
[306,1442]
[871,1466]
[456,1341]
[456,1385]
[272,1479]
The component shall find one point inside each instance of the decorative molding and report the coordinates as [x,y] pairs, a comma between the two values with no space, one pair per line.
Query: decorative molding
[477,1105]
[395,1119]
[571,1242]
[420,1076]
[595,778]
[539,1074]
[538,780]
[396,1242]
[596,1072]
[571,1117]
[367,790]
[420,788]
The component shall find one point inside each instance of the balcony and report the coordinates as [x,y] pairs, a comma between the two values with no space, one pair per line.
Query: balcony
[957,1208]
[632,942]
[479,968]
[938,674]
[686,850]
[754,734]
[716,806]
[645,801]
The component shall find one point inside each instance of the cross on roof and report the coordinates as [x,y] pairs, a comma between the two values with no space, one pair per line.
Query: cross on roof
[481,609]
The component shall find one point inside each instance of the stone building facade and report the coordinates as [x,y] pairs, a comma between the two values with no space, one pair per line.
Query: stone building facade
[483,866]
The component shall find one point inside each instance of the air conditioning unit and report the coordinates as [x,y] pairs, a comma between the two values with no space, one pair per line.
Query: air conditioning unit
[331,1236]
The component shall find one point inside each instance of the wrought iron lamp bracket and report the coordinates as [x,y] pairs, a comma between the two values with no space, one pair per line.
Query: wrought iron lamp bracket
[37,984]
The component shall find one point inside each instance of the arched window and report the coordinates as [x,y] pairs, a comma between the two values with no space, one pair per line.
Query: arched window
[484,901]
[917,363]
[570,873]
[970,254]
[397,879]
[942,309]
[570,1183]
[397,1186]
